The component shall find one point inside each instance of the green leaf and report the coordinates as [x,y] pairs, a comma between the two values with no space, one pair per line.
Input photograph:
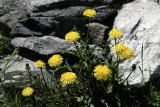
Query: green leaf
[109,88]
[79,99]
[91,105]
[68,66]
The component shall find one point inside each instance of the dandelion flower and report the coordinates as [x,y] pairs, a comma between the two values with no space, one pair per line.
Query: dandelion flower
[119,47]
[27,91]
[40,64]
[72,36]
[115,33]
[102,72]
[68,78]
[89,13]
[127,53]
[123,51]
[55,60]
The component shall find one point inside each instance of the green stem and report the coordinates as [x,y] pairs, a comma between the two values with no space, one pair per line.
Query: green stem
[79,52]
[51,76]
[128,76]
[117,65]
[44,79]
[30,74]
[87,37]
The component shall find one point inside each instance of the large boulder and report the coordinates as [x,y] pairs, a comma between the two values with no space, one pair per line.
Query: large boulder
[50,16]
[43,45]
[20,71]
[11,11]
[48,45]
[41,5]
[140,23]
[60,21]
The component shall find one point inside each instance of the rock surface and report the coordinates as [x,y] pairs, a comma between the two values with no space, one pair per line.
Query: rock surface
[11,11]
[17,73]
[60,21]
[56,18]
[37,5]
[42,45]
[97,32]
[140,22]
[50,17]
[49,45]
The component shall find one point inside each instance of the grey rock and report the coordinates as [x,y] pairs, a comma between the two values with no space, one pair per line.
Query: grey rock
[61,14]
[20,30]
[98,52]
[50,45]
[157,1]
[58,22]
[68,12]
[76,12]
[11,11]
[43,45]
[97,32]
[140,22]
[43,5]
[36,26]
[16,72]
[16,63]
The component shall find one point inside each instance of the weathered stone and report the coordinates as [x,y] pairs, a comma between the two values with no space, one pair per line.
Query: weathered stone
[140,22]
[103,12]
[43,45]
[17,63]
[37,26]
[20,30]
[60,21]
[16,72]
[43,5]
[11,11]
[97,32]
[50,45]
[68,11]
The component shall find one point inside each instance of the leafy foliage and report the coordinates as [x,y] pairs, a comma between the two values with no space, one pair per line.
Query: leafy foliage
[5,45]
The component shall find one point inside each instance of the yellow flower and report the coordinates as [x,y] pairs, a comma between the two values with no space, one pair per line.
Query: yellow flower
[55,60]
[72,36]
[127,53]
[119,47]
[89,13]
[40,64]
[123,51]
[68,78]
[115,33]
[102,72]
[27,91]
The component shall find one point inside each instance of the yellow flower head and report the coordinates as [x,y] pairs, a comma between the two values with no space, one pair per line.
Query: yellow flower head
[55,60]
[72,36]
[115,33]
[127,53]
[119,47]
[27,91]
[68,78]
[89,13]
[40,64]
[123,51]
[102,72]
